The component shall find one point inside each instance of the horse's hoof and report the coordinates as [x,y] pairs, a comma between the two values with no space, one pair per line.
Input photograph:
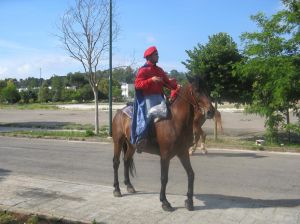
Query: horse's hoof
[189,205]
[117,193]
[130,189]
[167,207]
[204,152]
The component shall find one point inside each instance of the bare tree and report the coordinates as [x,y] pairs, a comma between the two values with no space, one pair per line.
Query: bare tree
[84,33]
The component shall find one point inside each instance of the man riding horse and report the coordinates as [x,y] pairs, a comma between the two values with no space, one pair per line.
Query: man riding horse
[149,84]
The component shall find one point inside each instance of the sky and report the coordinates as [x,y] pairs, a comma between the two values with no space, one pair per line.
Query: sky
[29,46]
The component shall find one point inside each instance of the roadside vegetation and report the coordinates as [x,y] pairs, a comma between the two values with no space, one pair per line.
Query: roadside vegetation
[7,217]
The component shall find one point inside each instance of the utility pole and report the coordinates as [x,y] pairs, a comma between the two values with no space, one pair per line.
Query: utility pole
[110,68]
[40,81]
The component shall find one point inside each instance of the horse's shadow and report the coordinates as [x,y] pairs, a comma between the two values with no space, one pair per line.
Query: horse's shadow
[217,201]
[227,154]
[3,173]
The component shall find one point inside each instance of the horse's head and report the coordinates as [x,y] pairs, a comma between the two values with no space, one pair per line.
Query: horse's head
[200,96]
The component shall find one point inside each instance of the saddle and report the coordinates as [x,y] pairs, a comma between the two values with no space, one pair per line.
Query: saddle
[151,143]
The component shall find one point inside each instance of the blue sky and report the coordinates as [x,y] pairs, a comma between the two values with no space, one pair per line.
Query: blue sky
[28,28]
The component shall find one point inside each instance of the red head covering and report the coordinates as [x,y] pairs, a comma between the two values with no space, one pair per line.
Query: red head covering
[150,51]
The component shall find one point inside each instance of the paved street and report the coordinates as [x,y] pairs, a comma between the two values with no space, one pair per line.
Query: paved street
[73,180]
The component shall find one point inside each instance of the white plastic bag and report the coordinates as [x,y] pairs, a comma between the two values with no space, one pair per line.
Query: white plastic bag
[158,111]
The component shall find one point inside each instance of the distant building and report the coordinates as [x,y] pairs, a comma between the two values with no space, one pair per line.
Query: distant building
[126,88]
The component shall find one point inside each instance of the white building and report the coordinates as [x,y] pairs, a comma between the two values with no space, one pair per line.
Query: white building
[126,88]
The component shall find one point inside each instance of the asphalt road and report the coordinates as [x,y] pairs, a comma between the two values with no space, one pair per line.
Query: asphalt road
[73,180]
[241,175]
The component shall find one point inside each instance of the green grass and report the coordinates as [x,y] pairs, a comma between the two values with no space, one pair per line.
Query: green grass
[234,142]
[61,134]
[49,133]
[7,217]
[69,126]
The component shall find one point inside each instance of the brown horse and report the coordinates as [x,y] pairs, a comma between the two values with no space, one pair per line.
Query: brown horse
[173,137]
[198,133]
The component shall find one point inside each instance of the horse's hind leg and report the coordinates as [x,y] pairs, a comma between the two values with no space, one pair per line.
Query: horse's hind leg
[202,144]
[165,163]
[185,161]
[116,163]
[129,166]
[196,138]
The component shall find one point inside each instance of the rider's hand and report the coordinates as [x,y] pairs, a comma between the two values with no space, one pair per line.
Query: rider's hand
[156,79]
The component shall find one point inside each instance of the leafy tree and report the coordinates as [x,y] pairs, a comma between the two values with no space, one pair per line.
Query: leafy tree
[30,83]
[2,86]
[77,79]
[57,85]
[179,76]
[28,96]
[44,93]
[215,63]
[116,88]
[272,60]
[126,75]
[82,94]
[10,92]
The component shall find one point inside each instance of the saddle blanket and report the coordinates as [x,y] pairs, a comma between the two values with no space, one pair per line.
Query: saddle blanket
[128,110]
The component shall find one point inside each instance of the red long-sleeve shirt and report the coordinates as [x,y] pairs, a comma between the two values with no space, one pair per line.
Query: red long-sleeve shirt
[144,81]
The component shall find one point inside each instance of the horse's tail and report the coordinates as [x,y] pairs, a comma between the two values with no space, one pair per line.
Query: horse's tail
[219,120]
[129,160]
[132,169]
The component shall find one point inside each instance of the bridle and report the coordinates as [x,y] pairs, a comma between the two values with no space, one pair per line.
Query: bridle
[193,101]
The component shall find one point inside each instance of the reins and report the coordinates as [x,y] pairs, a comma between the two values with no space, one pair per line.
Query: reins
[194,101]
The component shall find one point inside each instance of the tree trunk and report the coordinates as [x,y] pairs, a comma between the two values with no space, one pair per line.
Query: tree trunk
[216,124]
[96,110]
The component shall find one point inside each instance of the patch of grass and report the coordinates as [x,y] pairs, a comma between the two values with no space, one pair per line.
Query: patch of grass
[234,142]
[67,126]
[7,217]
[89,133]
[60,134]
[33,220]
[56,133]
[103,132]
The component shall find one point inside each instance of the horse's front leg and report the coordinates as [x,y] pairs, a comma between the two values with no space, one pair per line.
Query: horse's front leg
[165,163]
[185,160]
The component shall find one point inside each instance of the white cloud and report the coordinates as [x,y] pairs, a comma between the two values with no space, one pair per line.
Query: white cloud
[30,65]
[3,70]
[24,69]
[11,46]
[148,38]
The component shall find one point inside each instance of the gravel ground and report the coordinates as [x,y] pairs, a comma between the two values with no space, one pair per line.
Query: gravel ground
[235,122]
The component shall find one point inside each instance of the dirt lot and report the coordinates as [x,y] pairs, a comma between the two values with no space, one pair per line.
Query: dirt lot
[235,123]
